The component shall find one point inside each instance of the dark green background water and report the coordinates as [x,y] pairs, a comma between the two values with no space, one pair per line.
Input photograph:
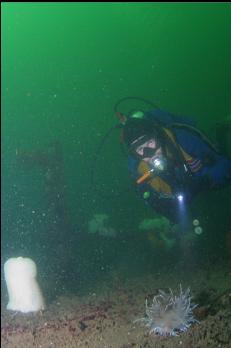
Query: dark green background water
[64,65]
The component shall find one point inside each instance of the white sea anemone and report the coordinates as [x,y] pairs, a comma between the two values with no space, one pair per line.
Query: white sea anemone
[23,289]
[99,225]
[169,315]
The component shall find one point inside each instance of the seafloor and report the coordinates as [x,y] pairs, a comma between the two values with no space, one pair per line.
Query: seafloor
[105,317]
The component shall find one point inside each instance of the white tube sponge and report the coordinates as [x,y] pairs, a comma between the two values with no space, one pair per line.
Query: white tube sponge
[23,290]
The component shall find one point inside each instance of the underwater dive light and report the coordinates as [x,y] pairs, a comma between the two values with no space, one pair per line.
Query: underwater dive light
[159,163]
[180,198]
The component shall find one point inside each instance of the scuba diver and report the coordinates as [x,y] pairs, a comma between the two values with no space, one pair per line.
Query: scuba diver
[171,161]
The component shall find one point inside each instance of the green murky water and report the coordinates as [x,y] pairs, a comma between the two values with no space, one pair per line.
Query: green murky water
[64,65]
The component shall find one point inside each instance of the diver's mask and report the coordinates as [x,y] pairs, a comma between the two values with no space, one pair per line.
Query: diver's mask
[157,161]
[143,142]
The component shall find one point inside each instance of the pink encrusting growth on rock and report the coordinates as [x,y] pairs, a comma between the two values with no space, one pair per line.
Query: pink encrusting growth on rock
[169,314]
